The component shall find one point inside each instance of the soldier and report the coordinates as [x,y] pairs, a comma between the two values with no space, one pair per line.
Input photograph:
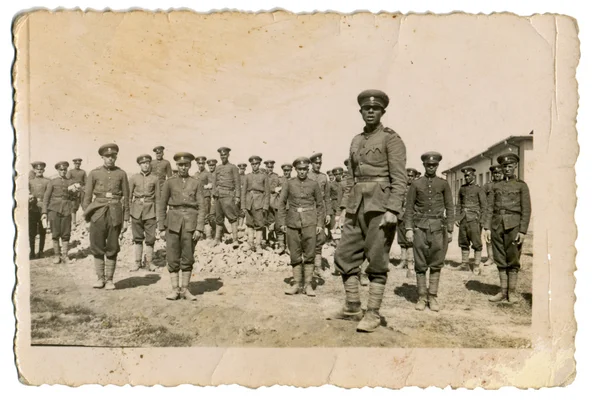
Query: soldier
[406,252]
[182,225]
[143,207]
[227,192]
[78,176]
[377,169]
[302,221]
[316,175]
[429,224]
[330,176]
[287,173]
[497,176]
[212,165]
[275,188]
[206,181]
[510,205]
[106,209]
[242,214]
[336,191]
[57,208]
[470,214]
[37,189]
[281,237]
[161,167]
[255,202]
[418,174]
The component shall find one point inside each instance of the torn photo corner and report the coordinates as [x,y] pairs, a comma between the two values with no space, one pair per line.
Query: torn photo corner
[159,157]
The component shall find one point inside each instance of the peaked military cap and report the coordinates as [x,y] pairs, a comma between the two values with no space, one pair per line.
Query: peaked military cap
[508,158]
[77,160]
[418,173]
[242,165]
[183,157]
[144,158]
[200,159]
[269,162]
[158,148]
[329,172]
[38,165]
[373,97]
[257,158]
[495,168]
[316,157]
[222,150]
[301,162]
[61,164]
[108,149]
[286,166]
[212,161]
[412,170]
[431,157]
[467,168]
[337,170]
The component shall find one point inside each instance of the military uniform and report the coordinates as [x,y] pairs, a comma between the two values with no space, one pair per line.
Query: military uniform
[143,208]
[37,188]
[324,186]
[242,213]
[161,168]
[430,215]
[275,189]
[206,181]
[377,168]
[301,210]
[58,205]
[336,191]
[226,192]
[256,198]
[106,207]
[510,205]
[183,223]
[406,253]
[487,189]
[78,176]
[211,218]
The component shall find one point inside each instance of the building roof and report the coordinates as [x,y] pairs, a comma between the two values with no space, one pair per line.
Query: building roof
[491,150]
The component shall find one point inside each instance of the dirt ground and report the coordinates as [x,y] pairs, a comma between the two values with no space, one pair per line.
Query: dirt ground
[242,303]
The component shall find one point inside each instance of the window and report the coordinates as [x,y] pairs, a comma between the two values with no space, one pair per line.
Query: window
[481,179]
[487,177]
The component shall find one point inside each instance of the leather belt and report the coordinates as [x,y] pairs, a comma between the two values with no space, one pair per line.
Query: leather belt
[143,200]
[302,209]
[502,212]
[256,191]
[183,207]
[108,195]
[371,179]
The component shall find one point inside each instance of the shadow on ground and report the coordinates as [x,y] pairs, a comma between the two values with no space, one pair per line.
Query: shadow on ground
[207,285]
[483,288]
[409,292]
[137,281]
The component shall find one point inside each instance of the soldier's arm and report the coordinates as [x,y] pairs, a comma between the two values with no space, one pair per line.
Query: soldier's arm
[487,224]
[281,209]
[320,205]
[244,190]
[236,181]
[483,205]
[525,208]
[409,213]
[327,198]
[396,154]
[126,194]
[200,201]
[459,203]
[47,196]
[84,177]
[348,184]
[89,191]
[267,196]
[132,190]
[169,170]
[449,203]
[162,205]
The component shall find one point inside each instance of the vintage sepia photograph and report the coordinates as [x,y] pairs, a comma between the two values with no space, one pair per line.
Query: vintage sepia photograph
[279,181]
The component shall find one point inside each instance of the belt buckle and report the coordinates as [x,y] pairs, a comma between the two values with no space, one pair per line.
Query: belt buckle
[109,195]
[299,209]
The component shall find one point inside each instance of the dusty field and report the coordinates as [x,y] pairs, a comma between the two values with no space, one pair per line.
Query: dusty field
[243,303]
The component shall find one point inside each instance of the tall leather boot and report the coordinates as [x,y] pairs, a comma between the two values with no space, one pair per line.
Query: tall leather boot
[281,242]
[422,290]
[258,240]
[65,252]
[308,275]
[185,282]
[234,234]
[503,293]
[99,268]
[56,247]
[149,257]
[137,263]
[477,263]
[403,260]
[490,254]
[464,265]
[42,243]
[410,261]
[298,282]
[174,295]
[434,281]
[372,319]
[513,277]
[111,266]
[218,235]
[31,246]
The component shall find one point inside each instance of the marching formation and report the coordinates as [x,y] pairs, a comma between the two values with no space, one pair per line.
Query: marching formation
[373,200]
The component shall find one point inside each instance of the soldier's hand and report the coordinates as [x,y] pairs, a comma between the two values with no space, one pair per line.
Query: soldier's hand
[284,229]
[487,236]
[163,234]
[519,239]
[457,223]
[87,226]
[410,235]
[44,221]
[449,237]
[196,236]
[388,219]
[327,219]
[237,201]
[319,230]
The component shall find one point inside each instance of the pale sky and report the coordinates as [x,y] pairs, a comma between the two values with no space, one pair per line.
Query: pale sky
[280,86]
